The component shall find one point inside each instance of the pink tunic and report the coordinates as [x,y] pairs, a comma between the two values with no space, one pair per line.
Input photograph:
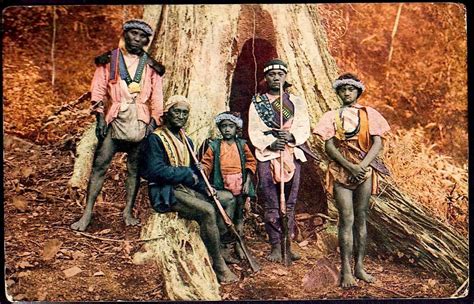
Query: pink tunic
[326,125]
[149,100]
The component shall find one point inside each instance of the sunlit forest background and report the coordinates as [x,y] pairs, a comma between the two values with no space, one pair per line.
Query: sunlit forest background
[412,58]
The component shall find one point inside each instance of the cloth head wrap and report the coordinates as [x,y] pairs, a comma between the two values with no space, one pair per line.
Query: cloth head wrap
[138,24]
[340,82]
[174,100]
[229,116]
[275,64]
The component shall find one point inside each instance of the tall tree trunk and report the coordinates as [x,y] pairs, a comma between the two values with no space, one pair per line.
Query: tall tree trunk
[211,52]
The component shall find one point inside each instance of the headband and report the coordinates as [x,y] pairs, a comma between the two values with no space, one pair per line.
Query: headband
[174,100]
[228,116]
[275,64]
[275,67]
[341,82]
[138,24]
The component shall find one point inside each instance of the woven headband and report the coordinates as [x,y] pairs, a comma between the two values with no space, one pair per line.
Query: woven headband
[230,117]
[341,82]
[275,67]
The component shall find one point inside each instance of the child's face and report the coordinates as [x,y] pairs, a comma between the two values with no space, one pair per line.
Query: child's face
[228,129]
[348,93]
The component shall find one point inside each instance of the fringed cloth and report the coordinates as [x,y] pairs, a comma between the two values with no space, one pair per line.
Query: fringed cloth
[336,173]
[175,148]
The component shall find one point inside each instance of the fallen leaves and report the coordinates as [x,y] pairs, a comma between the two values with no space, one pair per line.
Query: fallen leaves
[70,272]
[105,231]
[24,264]
[23,274]
[9,282]
[280,272]
[303,243]
[322,275]
[42,295]
[20,203]
[50,249]
[78,255]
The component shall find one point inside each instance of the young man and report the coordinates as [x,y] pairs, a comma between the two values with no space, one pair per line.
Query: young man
[230,166]
[352,137]
[127,100]
[175,184]
[269,138]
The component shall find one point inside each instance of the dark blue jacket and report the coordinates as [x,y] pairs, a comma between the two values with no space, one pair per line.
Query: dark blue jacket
[155,167]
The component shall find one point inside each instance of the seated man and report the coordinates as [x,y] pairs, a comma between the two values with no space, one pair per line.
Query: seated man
[173,184]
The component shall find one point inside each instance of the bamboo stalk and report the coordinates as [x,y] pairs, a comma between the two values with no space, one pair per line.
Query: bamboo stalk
[394,31]
[53,43]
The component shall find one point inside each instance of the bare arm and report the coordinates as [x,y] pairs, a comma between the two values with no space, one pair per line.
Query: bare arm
[373,151]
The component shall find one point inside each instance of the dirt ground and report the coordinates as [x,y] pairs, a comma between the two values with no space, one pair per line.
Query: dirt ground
[47,261]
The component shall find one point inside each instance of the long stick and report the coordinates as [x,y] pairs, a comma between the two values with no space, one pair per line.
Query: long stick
[285,241]
[230,226]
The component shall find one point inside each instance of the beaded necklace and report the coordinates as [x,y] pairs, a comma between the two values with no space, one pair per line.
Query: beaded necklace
[133,84]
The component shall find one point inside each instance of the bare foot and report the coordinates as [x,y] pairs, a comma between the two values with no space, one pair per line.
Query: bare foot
[364,276]
[347,280]
[224,274]
[130,220]
[227,256]
[82,224]
[275,254]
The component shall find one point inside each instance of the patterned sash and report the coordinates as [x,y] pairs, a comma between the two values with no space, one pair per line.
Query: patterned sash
[270,112]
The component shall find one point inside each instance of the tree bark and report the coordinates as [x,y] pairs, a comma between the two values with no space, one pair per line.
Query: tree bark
[181,255]
[201,46]
[84,158]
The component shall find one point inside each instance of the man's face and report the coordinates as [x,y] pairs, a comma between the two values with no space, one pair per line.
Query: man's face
[348,93]
[274,78]
[177,116]
[228,129]
[135,40]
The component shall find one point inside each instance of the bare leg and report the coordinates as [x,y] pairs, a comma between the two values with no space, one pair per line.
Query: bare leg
[361,203]
[228,203]
[343,198]
[102,158]
[132,184]
[239,224]
[194,208]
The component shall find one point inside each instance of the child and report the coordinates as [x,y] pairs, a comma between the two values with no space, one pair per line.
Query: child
[230,165]
[353,140]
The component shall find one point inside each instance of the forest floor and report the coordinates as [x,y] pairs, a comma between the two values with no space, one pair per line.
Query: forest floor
[47,261]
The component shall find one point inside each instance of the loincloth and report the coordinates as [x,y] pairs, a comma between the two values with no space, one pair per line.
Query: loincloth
[338,174]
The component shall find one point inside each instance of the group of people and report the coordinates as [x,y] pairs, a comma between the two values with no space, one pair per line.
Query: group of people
[133,117]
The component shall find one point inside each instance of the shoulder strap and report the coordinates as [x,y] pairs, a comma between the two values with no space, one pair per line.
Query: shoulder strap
[364,135]
[155,65]
[264,110]
[338,122]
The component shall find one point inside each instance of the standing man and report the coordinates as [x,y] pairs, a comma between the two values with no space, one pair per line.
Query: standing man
[269,138]
[174,184]
[127,99]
